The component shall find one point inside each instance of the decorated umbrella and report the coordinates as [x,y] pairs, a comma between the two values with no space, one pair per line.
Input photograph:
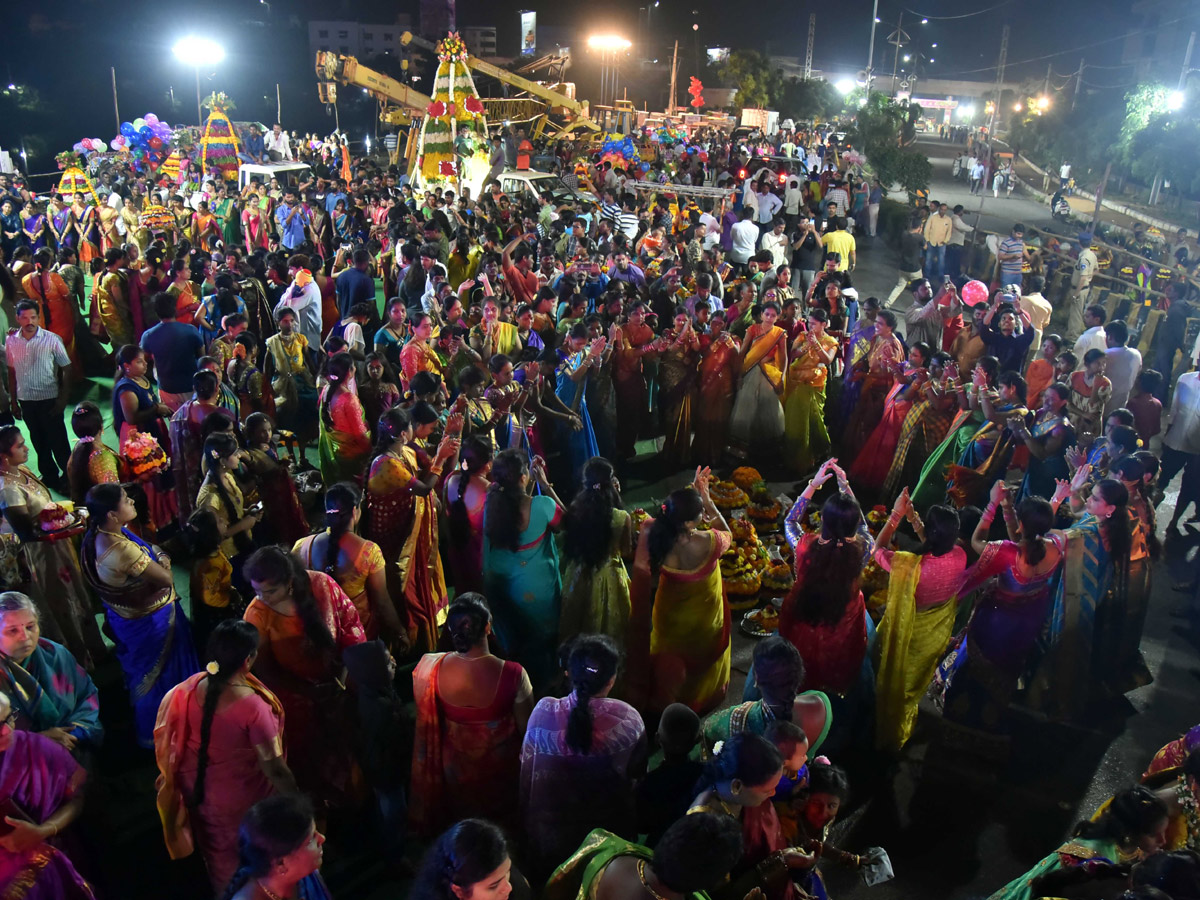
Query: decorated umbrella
[219,143]
[156,218]
[454,131]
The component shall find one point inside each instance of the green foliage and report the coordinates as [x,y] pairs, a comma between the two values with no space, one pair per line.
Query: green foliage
[751,72]
[810,98]
[882,130]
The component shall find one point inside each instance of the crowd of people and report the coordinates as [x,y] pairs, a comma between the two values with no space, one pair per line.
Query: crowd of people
[463,530]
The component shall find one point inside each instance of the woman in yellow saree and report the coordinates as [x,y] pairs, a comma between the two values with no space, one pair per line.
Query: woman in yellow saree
[918,620]
[686,617]
[804,412]
[758,410]
[492,336]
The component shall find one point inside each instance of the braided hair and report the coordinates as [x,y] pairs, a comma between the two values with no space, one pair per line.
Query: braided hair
[273,828]
[274,565]
[462,856]
[505,499]
[467,620]
[474,457]
[218,446]
[588,522]
[341,500]
[338,371]
[591,665]
[232,643]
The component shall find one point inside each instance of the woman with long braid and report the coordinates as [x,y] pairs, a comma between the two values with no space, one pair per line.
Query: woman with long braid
[219,747]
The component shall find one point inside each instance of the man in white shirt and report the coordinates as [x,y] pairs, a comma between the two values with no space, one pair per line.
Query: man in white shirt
[1121,365]
[766,206]
[1038,309]
[278,145]
[1086,267]
[712,225]
[838,197]
[38,367]
[776,242]
[954,247]
[1064,175]
[1181,443]
[1093,338]
[744,235]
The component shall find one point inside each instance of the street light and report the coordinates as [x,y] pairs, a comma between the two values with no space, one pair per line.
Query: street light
[1043,102]
[1017,107]
[608,46]
[1175,100]
[845,86]
[197,51]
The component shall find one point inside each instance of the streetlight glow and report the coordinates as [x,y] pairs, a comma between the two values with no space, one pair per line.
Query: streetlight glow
[1043,102]
[924,21]
[966,111]
[611,43]
[198,51]
[845,85]
[1175,100]
[1017,107]
[907,57]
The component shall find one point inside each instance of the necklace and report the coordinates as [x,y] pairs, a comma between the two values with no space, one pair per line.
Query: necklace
[271,895]
[641,869]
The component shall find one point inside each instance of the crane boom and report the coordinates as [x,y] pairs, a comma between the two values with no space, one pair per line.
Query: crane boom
[347,70]
[554,98]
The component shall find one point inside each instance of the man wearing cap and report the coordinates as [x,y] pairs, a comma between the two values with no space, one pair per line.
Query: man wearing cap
[1081,283]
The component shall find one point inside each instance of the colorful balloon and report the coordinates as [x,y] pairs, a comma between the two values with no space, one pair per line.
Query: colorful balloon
[87,143]
[127,129]
[151,119]
[156,142]
[974,292]
[100,146]
[139,123]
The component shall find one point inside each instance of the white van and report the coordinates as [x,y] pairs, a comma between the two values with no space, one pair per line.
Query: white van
[289,174]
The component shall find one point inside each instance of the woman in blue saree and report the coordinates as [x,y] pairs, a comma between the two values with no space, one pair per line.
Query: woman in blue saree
[520,563]
[572,391]
[62,226]
[50,692]
[857,347]
[343,224]
[1047,438]
[34,225]
[133,578]
[1088,600]
[985,459]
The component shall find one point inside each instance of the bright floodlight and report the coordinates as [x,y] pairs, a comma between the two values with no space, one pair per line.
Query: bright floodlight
[966,111]
[198,51]
[612,43]
[924,21]
[1043,102]
[1175,100]
[845,85]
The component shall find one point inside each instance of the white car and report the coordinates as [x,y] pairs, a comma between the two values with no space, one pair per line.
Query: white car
[519,183]
[289,174]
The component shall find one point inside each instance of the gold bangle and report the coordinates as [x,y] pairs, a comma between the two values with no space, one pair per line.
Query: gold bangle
[436,470]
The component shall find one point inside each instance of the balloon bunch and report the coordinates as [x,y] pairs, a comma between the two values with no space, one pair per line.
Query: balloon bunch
[146,139]
[618,149]
[90,145]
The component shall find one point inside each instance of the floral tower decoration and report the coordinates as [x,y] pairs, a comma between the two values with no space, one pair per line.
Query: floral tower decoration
[219,143]
[74,179]
[454,149]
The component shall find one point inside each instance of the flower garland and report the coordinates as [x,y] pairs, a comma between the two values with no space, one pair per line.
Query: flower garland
[452,48]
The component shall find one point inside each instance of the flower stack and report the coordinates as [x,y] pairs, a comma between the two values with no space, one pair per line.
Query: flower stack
[219,144]
[454,119]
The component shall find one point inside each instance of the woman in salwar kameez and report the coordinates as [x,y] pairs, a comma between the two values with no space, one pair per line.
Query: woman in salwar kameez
[720,363]
[877,371]
[401,518]
[676,386]
[758,412]
[813,351]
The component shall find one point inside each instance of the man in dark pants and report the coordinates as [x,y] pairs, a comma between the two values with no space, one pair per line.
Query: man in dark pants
[37,368]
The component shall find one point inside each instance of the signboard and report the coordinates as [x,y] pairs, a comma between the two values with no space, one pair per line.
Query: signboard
[935,104]
[528,32]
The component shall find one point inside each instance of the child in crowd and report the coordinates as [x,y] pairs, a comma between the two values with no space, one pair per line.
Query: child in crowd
[828,789]
[667,790]
[1145,406]
[213,596]
[793,746]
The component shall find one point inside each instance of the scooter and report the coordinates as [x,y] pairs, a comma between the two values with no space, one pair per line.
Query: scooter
[1061,210]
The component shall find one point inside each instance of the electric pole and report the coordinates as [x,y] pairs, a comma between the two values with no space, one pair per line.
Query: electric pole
[899,38]
[812,37]
[1078,84]
[1187,60]
[999,89]
[871,48]
[1046,86]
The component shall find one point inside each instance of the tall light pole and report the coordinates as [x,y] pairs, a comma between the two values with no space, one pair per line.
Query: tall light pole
[196,51]
[608,46]
[871,48]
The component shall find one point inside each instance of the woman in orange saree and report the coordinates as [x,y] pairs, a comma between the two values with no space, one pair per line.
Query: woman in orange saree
[634,340]
[467,754]
[719,365]
[418,354]
[870,468]
[758,414]
[55,305]
[402,519]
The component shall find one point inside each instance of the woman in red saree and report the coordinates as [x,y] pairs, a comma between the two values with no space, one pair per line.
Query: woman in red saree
[878,370]
[719,366]
[401,518]
[418,354]
[633,341]
[677,379]
[870,468]
[926,424]
[304,622]
[472,708]
[55,304]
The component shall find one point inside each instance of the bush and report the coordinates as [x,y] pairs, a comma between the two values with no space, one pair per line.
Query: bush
[893,220]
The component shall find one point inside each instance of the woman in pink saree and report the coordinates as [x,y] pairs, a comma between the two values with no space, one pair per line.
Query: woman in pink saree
[870,468]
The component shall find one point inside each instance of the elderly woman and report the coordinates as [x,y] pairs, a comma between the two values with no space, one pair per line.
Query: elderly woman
[133,578]
[40,778]
[51,694]
[55,581]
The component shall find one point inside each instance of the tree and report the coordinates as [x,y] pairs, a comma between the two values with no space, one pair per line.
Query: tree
[759,83]
[809,98]
[882,130]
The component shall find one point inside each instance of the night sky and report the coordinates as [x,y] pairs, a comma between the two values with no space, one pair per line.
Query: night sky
[136,37]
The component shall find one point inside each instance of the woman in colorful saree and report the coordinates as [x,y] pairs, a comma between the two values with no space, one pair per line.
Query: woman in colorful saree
[813,352]
[187,439]
[695,855]
[402,520]
[55,580]
[720,362]
[871,466]
[925,425]
[355,563]
[345,442]
[42,779]
[676,386]
[472,708]
[598,536]
[1090,390]
[581,758]
[50,692]
[153,636]
[520,563]
[1132,828]
[576,434]
[1048,438]
[219,747]
[304,622]
[978,677]
[985,459]
[56,307]
[92,461]
[918,620]
[1088,599]
[33,224]
[464,494]
[931,484]
[858,344]
[493,335]
[136,409]
[878,370]
[516,428]
[418,354]
[739,782]
[279,852]
[470,861]
[634,340]
[757,418]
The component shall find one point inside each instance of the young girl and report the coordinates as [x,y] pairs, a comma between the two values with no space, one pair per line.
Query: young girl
[828,789]
[792,743]
[214,598]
